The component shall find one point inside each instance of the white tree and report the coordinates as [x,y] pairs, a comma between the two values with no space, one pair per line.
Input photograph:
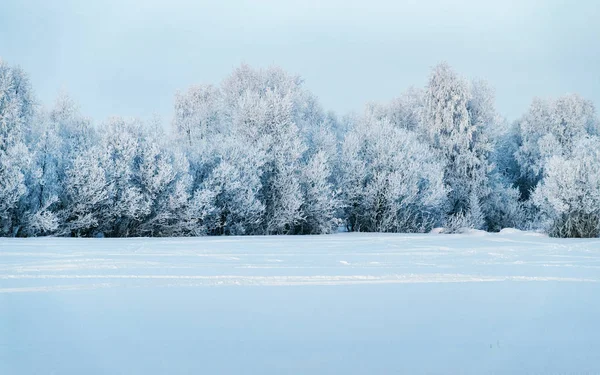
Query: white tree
[197,113]
[448,128]
[225,159]
[161,174]
[405,111]
[235,183]
[61,136]
[391,181]
[273,118]
[496,199]
[258,155]
[281,189]
[127,205]
[86,194]
[320,199]
[460,121]
[550,128]
[43,178]
[16,112]
[568,197]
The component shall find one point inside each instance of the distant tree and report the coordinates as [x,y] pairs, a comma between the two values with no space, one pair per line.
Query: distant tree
[460,143]
[391,182]
[320,204]
[126,205]
[319,178]
[161,173]
[551,128]
[568,197]
[87,195]
[249,143]
[405,111]
[458,119]
[235,183]
[59,137]
[281,191]
[43,178]
[197,113]
[257,154]
[497,196]
[16,113]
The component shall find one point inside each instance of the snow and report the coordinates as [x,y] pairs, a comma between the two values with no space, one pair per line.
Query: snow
[475,303]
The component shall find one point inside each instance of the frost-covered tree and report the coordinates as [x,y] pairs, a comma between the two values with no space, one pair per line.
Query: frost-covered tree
[551,128]
[43,178]
[16,113]
[224,166]
[281,191]
[497,197]
[55,138]
[458,119]
[405,111]
[197,113]
[320,199]
[148,185]
[16,105]
[318,178]
[250,141]
[258,155]
[235,185]
[460,142]
[161,173]
[86,195]
[568,197]
[62,139]
[391,182]
[285,123]
[126,205]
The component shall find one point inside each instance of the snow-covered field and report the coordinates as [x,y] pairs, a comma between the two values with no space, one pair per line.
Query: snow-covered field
[507,303]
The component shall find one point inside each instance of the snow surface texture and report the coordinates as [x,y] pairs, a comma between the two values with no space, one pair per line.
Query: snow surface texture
[475,303]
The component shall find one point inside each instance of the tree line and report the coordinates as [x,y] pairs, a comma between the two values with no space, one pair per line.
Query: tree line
[258,154]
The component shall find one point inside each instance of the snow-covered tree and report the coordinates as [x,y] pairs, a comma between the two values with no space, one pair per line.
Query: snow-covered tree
[319,177]
[224,166]
[391,182]
[16,105]
[250,141]
[126,205]
[405,111]
[320,199]
[43,178]
[197,113]
[568,197]
[235,185]
[448,128]
[16,113]
[550,128]
[281,191]
[497,197]
[148,185]
[86,194]
[258,155]
[459,119]
[60,136]
[161,173]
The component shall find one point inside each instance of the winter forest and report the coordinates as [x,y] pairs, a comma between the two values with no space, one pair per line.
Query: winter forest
[257,155]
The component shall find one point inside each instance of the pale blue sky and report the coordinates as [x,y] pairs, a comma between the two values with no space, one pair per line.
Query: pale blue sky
[129,57]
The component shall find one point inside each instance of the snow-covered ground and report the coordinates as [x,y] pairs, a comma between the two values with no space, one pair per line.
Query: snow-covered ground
[507,303]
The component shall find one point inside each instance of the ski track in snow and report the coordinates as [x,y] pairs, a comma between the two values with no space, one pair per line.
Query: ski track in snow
[507,303]
[58,264]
